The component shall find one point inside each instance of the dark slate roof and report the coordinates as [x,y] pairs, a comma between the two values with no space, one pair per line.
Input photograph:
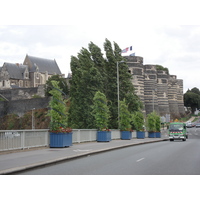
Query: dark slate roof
[15,71]
[44,65]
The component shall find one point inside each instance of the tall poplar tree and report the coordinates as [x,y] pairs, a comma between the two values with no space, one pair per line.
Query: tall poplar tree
[92,72]
[111,92]
[84,86]
[76,95]
[99,63]
[126,88]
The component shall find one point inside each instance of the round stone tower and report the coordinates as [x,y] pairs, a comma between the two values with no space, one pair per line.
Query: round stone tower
[172,97]
[180,97]
[162,85]
[150,89]
[136,69]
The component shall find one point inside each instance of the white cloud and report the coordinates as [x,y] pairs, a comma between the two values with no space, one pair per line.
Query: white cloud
[176,47]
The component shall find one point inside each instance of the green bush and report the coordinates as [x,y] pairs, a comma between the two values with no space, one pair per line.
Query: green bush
[153,122]
[138,120]
[125,117]
[101,111]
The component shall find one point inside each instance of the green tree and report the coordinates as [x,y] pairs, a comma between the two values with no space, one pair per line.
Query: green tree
[99,63]
[153,122]
[91,72]
[138,120]
[58,111]
[100,111]
[61,83]
[192,100]
[86,80]
[125,117]
[76,94]
[195,90]
[126,88]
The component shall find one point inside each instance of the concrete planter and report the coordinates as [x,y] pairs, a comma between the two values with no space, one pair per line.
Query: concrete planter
[103,136]
[126,135]
[60,139]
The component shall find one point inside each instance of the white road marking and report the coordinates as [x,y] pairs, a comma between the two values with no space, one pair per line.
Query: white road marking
[78,150]
[140,160]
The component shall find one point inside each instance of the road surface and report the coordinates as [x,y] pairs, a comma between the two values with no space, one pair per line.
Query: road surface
[160,158]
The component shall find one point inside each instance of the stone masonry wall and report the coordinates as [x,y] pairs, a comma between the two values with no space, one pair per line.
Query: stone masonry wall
[157,90]
[20,107]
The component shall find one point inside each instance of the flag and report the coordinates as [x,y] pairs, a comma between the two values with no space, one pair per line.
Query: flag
[127,49]
[133,54]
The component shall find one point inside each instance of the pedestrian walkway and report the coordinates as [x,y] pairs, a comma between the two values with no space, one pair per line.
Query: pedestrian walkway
[23,160]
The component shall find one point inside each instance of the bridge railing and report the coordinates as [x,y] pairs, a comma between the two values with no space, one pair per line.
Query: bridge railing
[24,139]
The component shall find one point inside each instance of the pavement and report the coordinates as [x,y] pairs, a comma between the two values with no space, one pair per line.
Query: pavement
[21,160]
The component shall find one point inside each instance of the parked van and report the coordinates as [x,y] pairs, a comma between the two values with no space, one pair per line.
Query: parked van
[177,131]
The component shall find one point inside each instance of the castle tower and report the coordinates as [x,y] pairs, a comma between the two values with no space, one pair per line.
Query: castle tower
[150,89]
[162,81]
[172,97]
[136,69]
[180,97]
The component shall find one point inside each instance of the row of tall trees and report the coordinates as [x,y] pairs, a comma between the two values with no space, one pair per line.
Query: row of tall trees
[92,72]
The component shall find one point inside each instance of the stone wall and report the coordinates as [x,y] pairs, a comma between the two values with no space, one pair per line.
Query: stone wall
[150,89]
[162,85]
[22,93]
[157,90]
[20,107]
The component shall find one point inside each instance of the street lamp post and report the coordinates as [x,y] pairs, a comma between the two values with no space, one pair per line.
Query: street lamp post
[118,89]
[33,123]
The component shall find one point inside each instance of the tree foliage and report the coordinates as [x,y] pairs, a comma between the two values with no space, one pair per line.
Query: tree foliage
[58,111]
[192,99]
[160,67]
[61,83]
[153,122]
[91,72]
[125,117]
[138,120]
[101,111]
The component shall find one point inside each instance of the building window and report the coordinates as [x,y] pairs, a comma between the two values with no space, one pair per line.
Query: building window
[37,75]
[26,75]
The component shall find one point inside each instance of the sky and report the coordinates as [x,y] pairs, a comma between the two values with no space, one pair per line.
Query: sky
[159,31]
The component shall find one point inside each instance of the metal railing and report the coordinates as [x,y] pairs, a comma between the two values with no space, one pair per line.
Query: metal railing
[23,139]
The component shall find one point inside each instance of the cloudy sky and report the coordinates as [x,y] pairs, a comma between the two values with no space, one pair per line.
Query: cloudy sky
[57,31]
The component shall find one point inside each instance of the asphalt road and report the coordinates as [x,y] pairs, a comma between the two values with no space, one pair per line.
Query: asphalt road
[163,158]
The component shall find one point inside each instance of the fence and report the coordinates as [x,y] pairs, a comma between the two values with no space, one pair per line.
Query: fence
[23,139]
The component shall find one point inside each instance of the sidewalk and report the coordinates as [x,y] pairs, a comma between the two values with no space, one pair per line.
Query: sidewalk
[23,160]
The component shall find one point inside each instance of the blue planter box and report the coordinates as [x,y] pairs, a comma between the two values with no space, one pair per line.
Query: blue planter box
[60,139]
[158,134]
[126,135]
[140,134]
[151,134]
[103,136]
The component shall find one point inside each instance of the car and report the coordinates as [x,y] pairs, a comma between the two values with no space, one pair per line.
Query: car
[198,125]
[189,125]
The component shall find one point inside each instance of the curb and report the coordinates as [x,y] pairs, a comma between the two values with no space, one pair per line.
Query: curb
[50,162]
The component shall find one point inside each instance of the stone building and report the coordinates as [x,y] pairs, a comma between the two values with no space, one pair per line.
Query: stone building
[33,72]
[158,90]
